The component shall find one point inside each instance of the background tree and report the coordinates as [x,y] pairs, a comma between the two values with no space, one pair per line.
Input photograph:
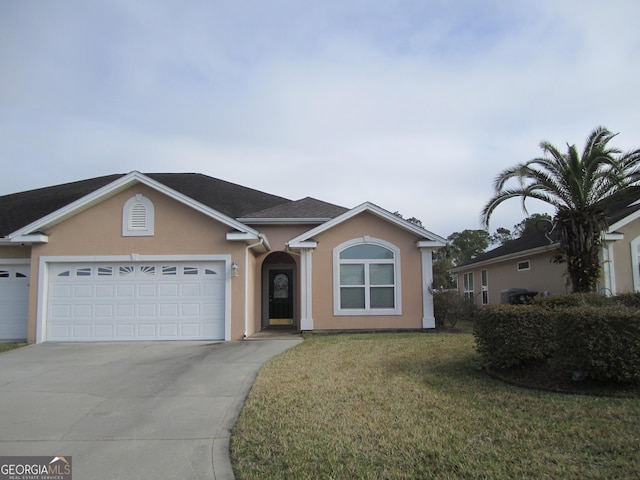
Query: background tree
[501,236]
[580,187]
[529,224]
[467,245]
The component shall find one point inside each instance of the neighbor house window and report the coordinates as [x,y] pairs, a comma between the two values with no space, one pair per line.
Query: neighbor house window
[367,278]
[138,217]
[468,285]
[525,265]
[485,287]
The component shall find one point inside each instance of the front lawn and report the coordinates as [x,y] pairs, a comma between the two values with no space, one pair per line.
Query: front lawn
[416,405]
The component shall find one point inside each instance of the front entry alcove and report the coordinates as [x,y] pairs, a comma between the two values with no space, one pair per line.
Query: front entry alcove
[279,292]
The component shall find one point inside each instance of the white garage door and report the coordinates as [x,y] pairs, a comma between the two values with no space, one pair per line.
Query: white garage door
[136,301]
[14,301]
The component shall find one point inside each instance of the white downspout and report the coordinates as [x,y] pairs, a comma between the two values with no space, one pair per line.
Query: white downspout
[246,281]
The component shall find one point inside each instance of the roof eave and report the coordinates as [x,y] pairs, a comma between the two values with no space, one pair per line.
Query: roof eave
[504,258]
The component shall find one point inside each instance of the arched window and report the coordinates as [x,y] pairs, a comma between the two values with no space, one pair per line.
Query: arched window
[137,217]
[367,278]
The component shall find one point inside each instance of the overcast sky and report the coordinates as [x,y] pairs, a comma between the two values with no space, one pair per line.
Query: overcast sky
[414,105]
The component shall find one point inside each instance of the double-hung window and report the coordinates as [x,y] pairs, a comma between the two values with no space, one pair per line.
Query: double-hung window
[366,278]
[468,285]
[485,287]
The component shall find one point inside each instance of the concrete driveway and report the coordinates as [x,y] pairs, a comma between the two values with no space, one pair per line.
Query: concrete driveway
[138,410]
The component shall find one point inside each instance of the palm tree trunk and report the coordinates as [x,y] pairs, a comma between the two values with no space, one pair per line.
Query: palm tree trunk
[580,243]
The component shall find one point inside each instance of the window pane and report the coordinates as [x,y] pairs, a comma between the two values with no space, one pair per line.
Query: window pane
[352,298]
[382,297]
[281,286]
[366,251]
[351,274]
[381,274]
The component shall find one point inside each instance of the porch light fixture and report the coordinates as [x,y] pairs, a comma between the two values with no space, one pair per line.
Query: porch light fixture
[234,269]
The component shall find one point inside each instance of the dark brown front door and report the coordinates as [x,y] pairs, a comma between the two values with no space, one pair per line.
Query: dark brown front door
[281,297]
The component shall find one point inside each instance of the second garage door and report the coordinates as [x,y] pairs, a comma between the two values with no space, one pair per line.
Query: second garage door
[136,301]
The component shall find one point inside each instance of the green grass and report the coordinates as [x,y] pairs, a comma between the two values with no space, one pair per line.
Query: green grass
[410,406]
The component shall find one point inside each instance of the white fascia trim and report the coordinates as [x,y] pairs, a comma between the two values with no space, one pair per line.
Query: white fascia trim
[33,238]
[624,221]
[505,258]
[303,244]
[118,185]
[281,221]
[250,238]
[428,244]
[612,237]
[375,210]
[242,237]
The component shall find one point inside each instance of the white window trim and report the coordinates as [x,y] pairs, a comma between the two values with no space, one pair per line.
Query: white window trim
[128,230]
[528,267]
[337,310]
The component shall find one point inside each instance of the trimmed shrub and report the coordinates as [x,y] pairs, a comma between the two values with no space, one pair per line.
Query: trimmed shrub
[601,343]
[631,300]
[449,307]
[510,335]
[573,300]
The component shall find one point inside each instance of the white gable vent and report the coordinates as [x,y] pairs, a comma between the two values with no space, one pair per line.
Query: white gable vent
[137,217]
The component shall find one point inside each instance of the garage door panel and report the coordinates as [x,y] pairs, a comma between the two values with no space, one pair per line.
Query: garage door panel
[104,311]
[126,290]
[106,291]
[82,330]
[147,310]
[125,331]
[136,301]
[169,310]
[83,291]
[147,290]
[104,331]
[169,290]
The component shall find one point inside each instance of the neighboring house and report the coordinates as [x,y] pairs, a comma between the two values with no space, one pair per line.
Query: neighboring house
[526,263]
[185,256]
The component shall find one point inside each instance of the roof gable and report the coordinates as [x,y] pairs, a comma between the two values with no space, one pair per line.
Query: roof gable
[307,237]
[122,182]
[20,209]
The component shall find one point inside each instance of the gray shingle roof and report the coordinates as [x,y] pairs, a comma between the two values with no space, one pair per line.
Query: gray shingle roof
[306,208]
[20,209]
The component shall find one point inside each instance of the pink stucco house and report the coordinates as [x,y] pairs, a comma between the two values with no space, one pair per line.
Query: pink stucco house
[174,256]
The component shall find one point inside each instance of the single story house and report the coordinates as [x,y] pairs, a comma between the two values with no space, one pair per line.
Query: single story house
[526,263]
[183,256]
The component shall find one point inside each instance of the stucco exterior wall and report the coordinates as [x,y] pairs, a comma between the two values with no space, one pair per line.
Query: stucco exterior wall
[623,259]
[15,252]
[542,276]
[179,230]
[366,224]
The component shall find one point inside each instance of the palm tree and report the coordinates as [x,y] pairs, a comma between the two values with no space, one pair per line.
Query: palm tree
[580,188]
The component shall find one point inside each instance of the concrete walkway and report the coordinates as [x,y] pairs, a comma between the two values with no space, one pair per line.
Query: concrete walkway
[139,410]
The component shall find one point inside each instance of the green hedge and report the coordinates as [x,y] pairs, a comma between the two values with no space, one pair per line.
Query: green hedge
[510,335]
[574,300]
[601,343]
